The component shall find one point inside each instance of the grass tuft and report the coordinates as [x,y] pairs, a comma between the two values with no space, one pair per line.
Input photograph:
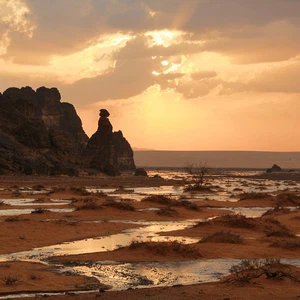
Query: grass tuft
[222,237]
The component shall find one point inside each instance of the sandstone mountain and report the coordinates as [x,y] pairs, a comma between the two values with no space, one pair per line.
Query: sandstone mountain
[39,134]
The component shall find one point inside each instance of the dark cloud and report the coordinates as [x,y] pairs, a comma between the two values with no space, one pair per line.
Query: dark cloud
[129,78]
[65,27]
[138,47]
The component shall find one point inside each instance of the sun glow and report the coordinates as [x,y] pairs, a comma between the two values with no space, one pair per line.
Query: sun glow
[164,37]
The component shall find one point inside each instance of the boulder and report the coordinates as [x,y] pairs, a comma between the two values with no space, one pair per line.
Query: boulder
[140,172]
[275,168]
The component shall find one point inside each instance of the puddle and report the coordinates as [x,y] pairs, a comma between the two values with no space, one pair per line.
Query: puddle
[32,192]
[25,211]
[43,294]
[33,202]
[250,212]
[122,276]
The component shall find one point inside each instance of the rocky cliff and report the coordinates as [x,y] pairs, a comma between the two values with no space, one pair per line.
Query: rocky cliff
[39,134]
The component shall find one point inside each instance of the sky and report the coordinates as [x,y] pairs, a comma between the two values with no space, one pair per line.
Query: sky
[174,74]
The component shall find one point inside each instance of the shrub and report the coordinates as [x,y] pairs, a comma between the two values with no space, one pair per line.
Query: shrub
[161,199]
[38,211]
[167,211]
[254,268]
[10,279]
[277,209]
[275,228]
[251,196]
[238,221]
[165,248]
[57,189]
[38,187]
[222,237]
[288,199]
[198,172]
[12,219]
[89,206]
[286,244]
[80,190]
[187,204]
[119,205]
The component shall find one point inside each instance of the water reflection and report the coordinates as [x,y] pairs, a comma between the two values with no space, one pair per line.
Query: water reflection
[153,274]
[108,243]
[25,211]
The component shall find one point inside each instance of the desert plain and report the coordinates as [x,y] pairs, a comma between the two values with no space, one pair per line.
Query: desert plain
[250,222]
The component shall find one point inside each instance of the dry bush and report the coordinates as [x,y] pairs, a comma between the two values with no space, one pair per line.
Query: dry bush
[252,196]
[92,205]
[161,199]
[38,187]
[275,228]
[204,223]
[38,210]
[276,210]
[286,244]
[80,190]
[250,269]
[197,188]
[198,174]
[167,211]
[288,199]
[222,237]
[99,195]
[122,205]
[12,219]
[237,221]
[165,248]
[10,279]
[57,189]
[186,204]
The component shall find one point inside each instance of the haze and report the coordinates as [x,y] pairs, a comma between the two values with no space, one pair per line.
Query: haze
[174,74]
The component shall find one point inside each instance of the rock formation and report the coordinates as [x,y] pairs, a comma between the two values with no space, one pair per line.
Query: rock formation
[108,151]
[41,135]
[275,168]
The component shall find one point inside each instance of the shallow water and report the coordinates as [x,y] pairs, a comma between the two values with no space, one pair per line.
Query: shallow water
[147,274]
[33,202]
[107,243]
[26,211]
[153,274]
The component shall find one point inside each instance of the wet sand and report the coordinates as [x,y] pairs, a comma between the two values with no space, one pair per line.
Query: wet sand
[45,228]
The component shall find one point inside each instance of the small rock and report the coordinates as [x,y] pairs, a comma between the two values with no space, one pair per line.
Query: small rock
[140,172]
[275,168]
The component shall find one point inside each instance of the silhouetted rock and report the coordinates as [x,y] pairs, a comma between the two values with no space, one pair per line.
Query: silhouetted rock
[107,150]
[41,135]
[140,172]
[275,168]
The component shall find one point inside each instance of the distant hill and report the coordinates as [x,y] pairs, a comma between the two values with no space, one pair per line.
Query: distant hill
[218,159]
